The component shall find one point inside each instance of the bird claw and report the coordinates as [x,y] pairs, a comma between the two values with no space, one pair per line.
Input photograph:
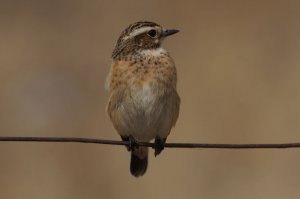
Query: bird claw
[132,143]
[159,145]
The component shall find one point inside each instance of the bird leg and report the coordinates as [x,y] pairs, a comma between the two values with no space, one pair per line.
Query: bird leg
[159,145]
[132,142]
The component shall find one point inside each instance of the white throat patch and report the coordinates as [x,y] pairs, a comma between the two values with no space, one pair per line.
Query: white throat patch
[153,52]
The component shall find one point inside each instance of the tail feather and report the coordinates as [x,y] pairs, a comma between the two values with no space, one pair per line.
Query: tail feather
[139,161]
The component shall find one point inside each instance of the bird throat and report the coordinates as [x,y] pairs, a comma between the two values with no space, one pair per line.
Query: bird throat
[156,52]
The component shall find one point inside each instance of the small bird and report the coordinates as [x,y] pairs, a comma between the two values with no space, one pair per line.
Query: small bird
[143,103]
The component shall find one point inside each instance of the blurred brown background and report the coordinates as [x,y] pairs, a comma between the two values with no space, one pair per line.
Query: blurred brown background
[239,76]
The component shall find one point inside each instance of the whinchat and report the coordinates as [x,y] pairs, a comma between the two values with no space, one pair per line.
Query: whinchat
[143,103]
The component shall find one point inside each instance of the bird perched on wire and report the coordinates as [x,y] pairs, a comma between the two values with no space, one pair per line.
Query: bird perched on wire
[143,103]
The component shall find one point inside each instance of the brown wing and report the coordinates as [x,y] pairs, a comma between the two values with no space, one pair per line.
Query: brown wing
[113,105]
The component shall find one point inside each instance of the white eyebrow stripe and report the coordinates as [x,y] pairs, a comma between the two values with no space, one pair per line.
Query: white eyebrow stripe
[137,32]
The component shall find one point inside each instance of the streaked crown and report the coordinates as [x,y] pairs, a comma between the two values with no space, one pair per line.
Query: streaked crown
[140,36]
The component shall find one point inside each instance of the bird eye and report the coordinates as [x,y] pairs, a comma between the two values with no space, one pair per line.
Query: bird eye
[152,33]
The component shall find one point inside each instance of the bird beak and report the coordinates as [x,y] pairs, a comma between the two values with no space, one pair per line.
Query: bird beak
[169,32]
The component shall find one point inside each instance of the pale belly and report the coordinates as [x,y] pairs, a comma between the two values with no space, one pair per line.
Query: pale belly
[146,113]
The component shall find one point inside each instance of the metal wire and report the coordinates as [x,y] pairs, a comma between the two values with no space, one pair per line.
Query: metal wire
[146,144]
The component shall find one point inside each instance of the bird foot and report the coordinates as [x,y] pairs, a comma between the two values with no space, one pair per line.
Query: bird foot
[159,145]
[132,143]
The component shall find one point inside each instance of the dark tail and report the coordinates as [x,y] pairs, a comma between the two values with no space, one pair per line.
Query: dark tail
[139,161]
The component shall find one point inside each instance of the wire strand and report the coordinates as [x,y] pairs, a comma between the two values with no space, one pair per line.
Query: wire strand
[147,144]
